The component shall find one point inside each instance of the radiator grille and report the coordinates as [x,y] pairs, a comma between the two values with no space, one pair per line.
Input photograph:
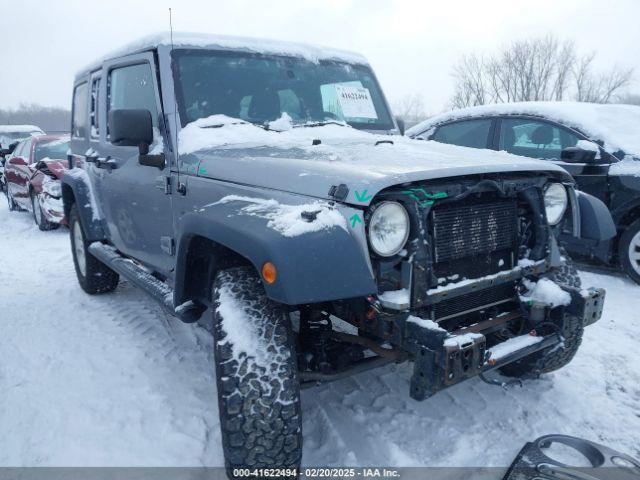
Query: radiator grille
[471,230]
[473,301]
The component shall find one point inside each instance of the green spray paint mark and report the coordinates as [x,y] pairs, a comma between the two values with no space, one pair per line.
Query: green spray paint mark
[355,219]
[202,171]
[362,196]
[423,197]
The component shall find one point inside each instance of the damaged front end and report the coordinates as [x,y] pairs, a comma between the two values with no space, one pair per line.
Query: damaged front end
[478,284]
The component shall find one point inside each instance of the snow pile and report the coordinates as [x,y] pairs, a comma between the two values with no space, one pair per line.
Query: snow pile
[511,345]
[425,323]
[313,53]
[20,129]
[618,126]
[398,297]
[628,166]
[461,340]
[284,123]
[288,219]
[545,291]
[220,130]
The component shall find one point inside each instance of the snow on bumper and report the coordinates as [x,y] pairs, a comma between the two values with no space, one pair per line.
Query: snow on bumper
[442,358]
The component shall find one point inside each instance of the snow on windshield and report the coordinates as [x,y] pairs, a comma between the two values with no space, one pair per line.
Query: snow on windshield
[618,126]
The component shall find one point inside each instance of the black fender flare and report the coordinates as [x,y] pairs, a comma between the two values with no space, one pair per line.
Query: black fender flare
[76,188]
[596,222]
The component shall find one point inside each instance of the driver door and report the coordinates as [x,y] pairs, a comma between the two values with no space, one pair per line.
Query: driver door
[136,206]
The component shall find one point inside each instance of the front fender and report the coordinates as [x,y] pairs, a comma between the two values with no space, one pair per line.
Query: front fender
[596,222]
[314,266]
[76,188]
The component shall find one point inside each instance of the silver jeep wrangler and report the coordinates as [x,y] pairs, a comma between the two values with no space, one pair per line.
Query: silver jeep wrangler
[264,188]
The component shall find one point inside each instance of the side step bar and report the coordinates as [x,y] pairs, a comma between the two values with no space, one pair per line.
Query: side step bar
[138,276]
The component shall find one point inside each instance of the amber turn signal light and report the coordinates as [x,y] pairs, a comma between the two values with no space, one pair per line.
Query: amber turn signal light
[269,272]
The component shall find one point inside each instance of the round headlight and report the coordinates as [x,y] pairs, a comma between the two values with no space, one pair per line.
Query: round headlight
[388,228]
[555,202]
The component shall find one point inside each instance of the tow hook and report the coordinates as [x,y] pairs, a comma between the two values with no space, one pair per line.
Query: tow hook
[506,385]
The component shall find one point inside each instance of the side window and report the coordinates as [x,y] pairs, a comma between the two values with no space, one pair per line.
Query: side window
[534,138]
[467,133]
[79,121]
[94,114]
[131,87]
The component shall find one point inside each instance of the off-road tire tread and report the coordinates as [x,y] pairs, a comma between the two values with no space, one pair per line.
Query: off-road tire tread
[99,278]
[260,429]
[554,358]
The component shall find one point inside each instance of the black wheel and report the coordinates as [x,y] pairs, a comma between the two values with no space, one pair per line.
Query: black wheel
[256,369]
[554,358]
[93,275]
[39,216]
[629,251]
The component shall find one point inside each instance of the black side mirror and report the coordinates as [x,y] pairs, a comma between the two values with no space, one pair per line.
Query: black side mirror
[578,155]
[131,128]
[401,125]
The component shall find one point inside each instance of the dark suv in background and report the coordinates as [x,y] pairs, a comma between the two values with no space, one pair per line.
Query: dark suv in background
[599,145]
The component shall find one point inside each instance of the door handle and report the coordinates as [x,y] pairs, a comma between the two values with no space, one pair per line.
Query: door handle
[106,162]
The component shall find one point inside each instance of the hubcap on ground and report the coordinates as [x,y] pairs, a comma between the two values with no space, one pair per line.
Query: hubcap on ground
[78,245]
[634,252]
[37,212]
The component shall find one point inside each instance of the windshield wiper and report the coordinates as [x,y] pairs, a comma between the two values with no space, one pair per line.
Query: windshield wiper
[321,124]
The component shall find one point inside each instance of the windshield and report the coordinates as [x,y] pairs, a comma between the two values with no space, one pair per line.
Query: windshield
[55,149]
[259,89]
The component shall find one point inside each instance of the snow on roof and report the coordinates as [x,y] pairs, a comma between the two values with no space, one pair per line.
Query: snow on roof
[309,52]
[19,129]
[618,126]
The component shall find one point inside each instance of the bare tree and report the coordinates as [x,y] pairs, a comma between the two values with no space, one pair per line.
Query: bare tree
[411,108]
[531,70]
[50,119]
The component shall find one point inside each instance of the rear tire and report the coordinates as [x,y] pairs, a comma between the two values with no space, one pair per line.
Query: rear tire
[258,390]
[554,358]
[629,251]
[39,216]
[93,275]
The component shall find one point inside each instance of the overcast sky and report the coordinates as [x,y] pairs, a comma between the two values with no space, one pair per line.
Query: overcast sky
[412,45]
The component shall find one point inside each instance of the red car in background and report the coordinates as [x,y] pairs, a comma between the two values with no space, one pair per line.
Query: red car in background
[33,174]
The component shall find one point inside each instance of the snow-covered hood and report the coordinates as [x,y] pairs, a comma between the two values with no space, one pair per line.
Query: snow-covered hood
[235,151]
[618,126]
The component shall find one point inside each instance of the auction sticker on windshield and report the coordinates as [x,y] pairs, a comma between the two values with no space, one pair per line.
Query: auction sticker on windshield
[356,102]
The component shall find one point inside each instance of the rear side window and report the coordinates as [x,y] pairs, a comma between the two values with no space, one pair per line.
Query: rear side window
[79,121]
[131,87]
[94,113]
[469,133]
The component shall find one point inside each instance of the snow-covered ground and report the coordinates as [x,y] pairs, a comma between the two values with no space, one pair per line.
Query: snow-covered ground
[110,380]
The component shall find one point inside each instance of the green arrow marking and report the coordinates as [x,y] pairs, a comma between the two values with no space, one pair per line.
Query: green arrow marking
[355,219]
[362,196]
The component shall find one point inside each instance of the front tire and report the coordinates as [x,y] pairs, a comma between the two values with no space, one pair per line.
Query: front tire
[629,251]
[256,369]
[93,275]
[39,216]
[554,358]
